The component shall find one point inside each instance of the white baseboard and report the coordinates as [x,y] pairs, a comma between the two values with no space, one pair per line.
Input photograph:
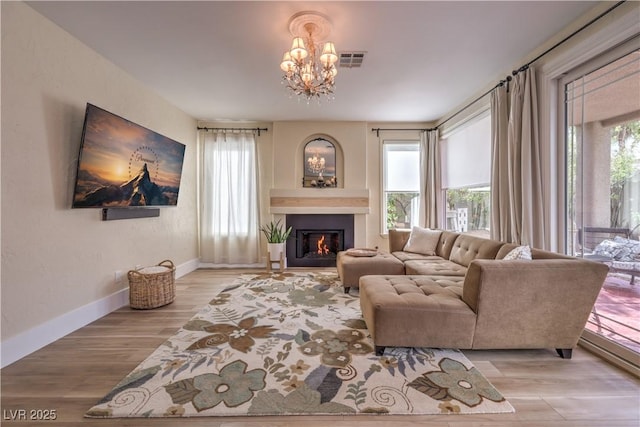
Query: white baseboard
[25,343]
[187,267]
[223,266]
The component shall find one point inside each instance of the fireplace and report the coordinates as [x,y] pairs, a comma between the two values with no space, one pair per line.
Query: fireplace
[317,239]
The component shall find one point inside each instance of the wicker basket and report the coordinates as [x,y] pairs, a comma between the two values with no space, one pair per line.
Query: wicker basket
[152,287]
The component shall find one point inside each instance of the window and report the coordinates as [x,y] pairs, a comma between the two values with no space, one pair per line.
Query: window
[602,137]
[468,210]
[229,232]
[401,184]
[466,174]
[603,150]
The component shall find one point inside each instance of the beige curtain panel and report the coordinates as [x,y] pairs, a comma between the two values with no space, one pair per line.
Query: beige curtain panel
[430,178]
[500,198]
[516,187]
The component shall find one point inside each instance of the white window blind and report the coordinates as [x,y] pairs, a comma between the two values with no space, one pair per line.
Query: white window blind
[401,184]
[466,156]
[402,167]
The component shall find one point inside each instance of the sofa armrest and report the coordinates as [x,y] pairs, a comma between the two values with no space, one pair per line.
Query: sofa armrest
[531,304]
[398,239]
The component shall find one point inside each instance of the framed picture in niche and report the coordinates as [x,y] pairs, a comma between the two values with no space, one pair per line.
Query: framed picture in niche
[319,164]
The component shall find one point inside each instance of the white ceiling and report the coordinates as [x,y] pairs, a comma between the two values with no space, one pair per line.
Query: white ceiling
[219,60]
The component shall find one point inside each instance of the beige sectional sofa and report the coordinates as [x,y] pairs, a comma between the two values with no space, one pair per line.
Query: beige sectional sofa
[464,294]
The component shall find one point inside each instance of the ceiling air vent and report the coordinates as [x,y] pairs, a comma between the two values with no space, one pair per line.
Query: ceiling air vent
[351,59]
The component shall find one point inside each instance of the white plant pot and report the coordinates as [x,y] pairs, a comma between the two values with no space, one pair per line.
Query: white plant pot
[275,249]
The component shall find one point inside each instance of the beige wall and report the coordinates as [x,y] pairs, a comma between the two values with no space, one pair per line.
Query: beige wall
[56,259]
[290,138]
[359,164]
[287,166]
[281,156]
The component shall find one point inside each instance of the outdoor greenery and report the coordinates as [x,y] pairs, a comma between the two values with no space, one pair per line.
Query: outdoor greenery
[399,209]
[625,163]
[477,203]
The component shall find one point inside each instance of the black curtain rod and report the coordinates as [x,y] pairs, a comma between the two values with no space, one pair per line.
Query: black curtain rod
[473,102]
[606,12]
[378,130]
[525,66]
[499,84]
[253,129]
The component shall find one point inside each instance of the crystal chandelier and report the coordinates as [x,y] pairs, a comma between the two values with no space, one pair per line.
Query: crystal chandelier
[316,163]
[305,74]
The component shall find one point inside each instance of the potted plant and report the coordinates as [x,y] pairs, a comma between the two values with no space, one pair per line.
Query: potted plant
[276,237]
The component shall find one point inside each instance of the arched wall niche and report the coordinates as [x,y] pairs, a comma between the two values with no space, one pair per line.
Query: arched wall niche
[320,145]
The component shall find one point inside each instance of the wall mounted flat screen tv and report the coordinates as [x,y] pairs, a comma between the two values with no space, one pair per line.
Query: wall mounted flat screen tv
[122,164]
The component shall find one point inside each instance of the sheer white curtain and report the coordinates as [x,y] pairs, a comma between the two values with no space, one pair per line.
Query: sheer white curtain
[229,199]
[516,187]
[430,178]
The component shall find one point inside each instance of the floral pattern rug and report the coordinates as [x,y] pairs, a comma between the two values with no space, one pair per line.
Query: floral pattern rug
[293,344]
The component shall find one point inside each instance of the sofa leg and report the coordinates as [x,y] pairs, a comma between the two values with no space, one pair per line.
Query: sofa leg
[346,289]
[379,350]
[565,353]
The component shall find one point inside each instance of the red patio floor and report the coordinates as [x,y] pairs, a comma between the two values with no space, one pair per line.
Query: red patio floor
[616,314]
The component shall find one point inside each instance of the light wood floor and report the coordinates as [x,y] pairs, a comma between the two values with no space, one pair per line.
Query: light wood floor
[72,374]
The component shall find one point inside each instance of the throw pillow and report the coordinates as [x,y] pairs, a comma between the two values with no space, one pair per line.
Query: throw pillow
[362,252]
[521,252]
[423,241]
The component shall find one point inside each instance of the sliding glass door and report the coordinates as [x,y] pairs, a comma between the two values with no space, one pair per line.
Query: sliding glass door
[602,113]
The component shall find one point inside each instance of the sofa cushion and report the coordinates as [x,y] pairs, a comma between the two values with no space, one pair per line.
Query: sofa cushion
[619,249]
[423,241]
[630,249]
[398,239]
[447,240]
[434,267]
[408,256]
[467,248]
[452,283]
[351,268]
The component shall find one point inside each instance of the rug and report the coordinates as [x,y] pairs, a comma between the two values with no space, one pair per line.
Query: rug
[293,344]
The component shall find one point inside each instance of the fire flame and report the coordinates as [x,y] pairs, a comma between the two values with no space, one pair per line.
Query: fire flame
[322,248]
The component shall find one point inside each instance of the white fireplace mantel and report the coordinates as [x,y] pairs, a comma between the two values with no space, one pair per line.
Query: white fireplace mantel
[319,200]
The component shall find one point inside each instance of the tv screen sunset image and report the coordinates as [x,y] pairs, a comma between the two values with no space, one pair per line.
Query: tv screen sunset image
[123,164]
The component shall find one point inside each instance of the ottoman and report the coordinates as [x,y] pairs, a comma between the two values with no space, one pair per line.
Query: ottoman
[416,311]
[351,268]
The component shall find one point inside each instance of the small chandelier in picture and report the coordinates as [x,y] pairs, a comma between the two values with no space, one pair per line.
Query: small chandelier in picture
[316,164]
[305,74]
